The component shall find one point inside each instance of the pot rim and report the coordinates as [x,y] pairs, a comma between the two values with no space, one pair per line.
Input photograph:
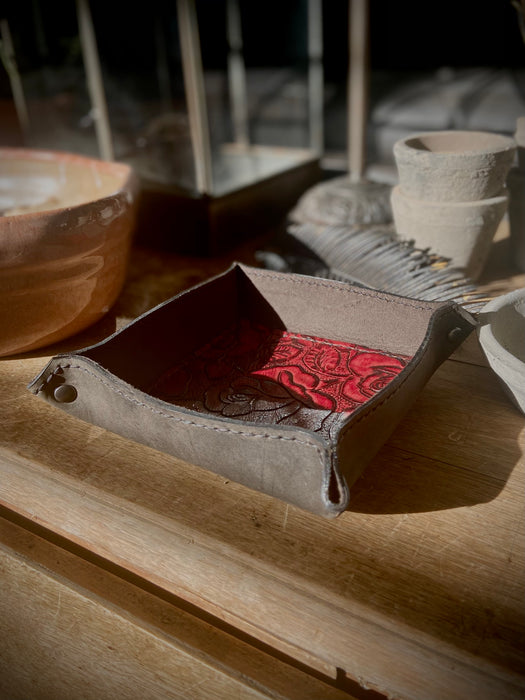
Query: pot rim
[129,181]
[502,143]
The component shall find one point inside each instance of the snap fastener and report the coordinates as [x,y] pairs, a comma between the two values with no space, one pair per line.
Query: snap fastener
[65,393]
[455,334]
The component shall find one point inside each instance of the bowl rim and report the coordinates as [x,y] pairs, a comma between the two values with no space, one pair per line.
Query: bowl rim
[502,143]
[129,181]
[487,339]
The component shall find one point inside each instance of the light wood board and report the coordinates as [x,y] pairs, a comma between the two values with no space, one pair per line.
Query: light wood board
[416,591]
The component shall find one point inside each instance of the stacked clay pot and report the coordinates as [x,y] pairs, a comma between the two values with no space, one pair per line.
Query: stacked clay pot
[516,185]
[451,195]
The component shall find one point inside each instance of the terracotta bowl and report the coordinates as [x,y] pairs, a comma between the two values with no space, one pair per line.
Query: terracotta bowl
[453,166]
[502,337]
[66,224]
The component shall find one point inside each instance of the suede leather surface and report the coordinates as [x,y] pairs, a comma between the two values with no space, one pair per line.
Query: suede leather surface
[314,470]
[263,375]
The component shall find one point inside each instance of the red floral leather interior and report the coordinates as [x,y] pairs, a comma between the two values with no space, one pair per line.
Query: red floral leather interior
[254,373]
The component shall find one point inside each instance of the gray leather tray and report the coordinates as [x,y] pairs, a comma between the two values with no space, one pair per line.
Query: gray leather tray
[285,383]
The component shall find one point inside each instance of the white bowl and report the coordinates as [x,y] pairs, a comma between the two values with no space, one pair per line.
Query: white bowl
[502,338]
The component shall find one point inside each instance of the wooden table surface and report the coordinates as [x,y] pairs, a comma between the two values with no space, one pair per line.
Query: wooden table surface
[416,591]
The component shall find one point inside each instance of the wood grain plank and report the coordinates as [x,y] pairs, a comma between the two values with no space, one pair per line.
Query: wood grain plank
[72,630]
[416,590]
[261,599]
[464,418]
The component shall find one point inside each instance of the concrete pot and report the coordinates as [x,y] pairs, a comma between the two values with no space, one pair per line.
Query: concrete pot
[502,338]
[461,231]
[65,236]
[453,166]
[516,187]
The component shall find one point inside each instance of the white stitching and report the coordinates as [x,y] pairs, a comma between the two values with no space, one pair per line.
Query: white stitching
[345,345]
[319,341]
[59,368]
[335,288]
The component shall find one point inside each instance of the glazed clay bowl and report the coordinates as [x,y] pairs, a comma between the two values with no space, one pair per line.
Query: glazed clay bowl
[453,166]
[460,231]
[66,223]
[502,337]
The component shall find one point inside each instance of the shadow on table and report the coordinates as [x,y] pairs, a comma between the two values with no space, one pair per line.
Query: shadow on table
[457,447]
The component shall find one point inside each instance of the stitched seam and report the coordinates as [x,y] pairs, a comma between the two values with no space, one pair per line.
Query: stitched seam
[176,418]
[318,341]
[365,414]
[342,344]
[339,289]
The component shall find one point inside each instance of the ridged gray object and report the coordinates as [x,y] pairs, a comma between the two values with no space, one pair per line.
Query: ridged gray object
[373,257]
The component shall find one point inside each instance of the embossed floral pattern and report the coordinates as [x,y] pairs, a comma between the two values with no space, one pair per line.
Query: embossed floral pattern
[253,373]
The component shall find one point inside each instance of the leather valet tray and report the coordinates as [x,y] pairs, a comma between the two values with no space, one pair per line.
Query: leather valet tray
[285,383]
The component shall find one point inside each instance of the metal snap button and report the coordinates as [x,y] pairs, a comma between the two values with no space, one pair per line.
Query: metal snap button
[65,393]
[455,334]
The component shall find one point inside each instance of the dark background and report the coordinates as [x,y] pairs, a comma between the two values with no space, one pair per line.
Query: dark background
[405,35]
[409,40]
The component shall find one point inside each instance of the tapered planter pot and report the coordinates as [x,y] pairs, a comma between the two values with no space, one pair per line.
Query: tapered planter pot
[451,195]
[516,185]
[461,231]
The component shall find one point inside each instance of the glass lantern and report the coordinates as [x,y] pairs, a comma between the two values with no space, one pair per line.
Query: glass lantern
[222,121]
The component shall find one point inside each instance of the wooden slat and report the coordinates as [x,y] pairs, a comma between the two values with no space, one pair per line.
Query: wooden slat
[444,427]
[70,629]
